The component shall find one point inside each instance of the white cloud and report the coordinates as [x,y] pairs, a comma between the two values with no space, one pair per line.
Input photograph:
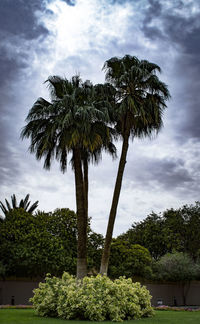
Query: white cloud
[85,35]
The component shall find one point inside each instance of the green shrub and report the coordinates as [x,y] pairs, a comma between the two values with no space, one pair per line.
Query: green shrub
[129,260]
[95,298]
[46,296]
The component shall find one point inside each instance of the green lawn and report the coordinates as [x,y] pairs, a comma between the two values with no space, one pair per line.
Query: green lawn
[26,316]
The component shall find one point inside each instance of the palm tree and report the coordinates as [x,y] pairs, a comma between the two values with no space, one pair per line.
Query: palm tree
[24,203]
[73,122]
[141,100]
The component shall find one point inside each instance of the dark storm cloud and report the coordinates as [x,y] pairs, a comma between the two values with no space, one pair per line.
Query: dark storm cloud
[18,18]
[182,29]
[170,174]
[165,173]
[19,27]
[9,66]
[18,24]
[8,168]
[178,26]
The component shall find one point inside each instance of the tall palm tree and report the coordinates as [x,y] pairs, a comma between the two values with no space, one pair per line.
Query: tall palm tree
[24,203]
[141,100]
[73,122]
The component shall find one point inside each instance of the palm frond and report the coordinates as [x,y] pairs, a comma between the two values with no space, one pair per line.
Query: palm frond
[56,86]
[33,207]
[25,201]
[3,208]
[14,201]
[8,205]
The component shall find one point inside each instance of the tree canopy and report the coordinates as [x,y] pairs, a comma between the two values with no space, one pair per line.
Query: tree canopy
[174,229]
[33,245]
[128,260]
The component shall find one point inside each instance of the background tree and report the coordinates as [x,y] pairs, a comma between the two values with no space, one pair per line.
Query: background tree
[141,100]
[179,267]
[174,229]
[74,122]
[184,224]
[150,233]
[32,246]
[128,260]
[24,203]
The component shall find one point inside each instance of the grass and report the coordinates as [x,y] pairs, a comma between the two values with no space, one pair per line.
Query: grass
[27,316]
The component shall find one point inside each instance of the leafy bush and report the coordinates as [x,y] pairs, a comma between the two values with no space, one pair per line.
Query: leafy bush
[95,298]
[176,266]
[129,260]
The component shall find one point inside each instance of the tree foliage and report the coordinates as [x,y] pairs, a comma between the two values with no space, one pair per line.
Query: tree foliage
[149,233]
[44,243]
[175,229]
[176,266]
[128,260]
[183,229]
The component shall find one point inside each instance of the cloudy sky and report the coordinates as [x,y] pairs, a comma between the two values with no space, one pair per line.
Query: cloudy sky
[39,38]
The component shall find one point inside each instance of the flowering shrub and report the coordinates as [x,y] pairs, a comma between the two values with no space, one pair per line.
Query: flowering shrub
[95,298]
[46,296]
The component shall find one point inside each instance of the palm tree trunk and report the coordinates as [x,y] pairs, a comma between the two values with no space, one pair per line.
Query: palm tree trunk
[81,217]
[85,178]
[113,210]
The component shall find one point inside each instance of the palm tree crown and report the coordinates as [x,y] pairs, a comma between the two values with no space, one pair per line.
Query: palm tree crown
[74,119]
[141,96]
[24,203]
